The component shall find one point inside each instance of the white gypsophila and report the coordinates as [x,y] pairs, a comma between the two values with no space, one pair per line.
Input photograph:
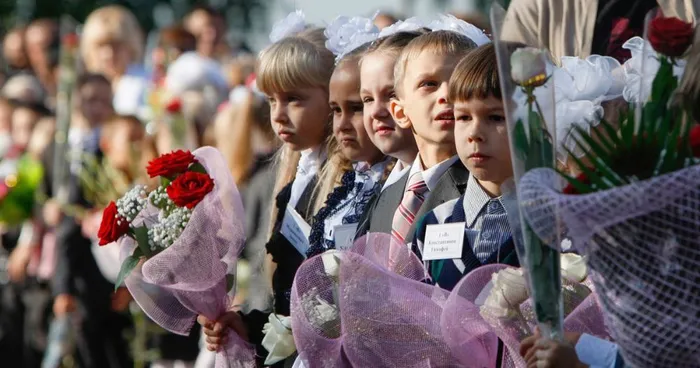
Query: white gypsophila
[168,228]
[159,198]
[448,22]
[132,203]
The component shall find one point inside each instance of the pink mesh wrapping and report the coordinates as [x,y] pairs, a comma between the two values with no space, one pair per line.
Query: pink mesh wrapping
[384,319]
[464,325]
[642,243]
[189,277]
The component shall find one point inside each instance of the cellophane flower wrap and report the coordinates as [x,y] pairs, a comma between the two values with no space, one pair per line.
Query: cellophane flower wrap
[371,310]
[493,302]
[635,214]
[180,250]
[526,79]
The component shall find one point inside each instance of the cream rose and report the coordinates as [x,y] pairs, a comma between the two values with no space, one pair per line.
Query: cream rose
[527,63]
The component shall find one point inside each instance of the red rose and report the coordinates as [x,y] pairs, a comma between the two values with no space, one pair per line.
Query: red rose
[695,140]
[170,164]
[174,106]
[670,36]
[188,189]
[113,226]
[569,189]
[71,40]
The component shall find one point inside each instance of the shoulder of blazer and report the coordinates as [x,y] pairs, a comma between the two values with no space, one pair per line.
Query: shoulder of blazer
[459,174]
[307,199]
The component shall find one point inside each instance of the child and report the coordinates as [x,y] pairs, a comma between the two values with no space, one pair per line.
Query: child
[377,90]
[354,162]
[421,77]
[481,137]
[294,73]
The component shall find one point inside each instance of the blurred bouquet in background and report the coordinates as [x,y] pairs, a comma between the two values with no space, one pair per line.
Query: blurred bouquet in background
[19,179]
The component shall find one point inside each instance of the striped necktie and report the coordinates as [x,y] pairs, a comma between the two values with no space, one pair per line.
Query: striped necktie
[410,204]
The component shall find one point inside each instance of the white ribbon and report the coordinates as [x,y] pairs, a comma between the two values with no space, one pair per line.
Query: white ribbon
[278,340]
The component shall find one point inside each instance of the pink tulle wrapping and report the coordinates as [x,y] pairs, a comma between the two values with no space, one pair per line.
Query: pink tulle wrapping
[189,277]
[385,319]
[464,326]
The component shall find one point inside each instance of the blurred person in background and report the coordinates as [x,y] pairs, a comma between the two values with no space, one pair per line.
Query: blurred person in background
[239,69]
[172,42]
[383,20]
[79,286]
[14,51]
[209,27]
[24,88]
[112,44]
[582,28]
[42,41]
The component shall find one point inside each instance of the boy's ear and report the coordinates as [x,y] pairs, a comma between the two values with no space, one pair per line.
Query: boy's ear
[399,114]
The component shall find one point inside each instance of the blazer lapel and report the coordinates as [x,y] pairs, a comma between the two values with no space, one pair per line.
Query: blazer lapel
[450,186]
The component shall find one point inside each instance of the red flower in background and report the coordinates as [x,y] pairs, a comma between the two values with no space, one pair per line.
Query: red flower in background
[71,40]
[695,140]
[112,226]
[188,189]
[170,164]
[670,36]
[174,106]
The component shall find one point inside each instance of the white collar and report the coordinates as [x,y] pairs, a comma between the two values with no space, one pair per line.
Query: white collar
[311,160]
[433,174]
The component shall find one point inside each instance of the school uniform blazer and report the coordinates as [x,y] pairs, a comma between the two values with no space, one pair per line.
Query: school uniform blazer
[379,215]
[288,260]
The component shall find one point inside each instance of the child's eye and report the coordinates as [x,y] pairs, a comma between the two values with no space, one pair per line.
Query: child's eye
[392,94]
[497,118]
[336,110]
[428,84]
[367,100]
[293,98]
[464,118]
[271,100]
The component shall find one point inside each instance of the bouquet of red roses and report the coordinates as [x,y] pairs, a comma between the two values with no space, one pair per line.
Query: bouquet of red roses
[180,243]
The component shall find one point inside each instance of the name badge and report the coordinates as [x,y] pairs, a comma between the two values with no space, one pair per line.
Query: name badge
[443,241]
[296,230]
[344,236]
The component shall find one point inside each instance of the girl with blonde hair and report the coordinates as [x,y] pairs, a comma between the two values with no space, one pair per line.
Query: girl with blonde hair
[112,44]
[293,73]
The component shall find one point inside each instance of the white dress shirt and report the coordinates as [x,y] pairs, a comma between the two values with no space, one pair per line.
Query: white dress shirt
[309,165]
[396,173]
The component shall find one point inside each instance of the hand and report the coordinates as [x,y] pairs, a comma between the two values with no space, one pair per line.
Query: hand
[217,331]
[545,353]
[63,304]
[17,263]
[52,213]
[121,299]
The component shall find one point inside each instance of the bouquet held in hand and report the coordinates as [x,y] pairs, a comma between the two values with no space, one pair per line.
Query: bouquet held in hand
[180,243]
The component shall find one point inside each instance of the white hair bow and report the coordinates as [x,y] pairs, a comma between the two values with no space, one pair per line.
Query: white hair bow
[409,25]
[292,24]
[346,34]
[451,23]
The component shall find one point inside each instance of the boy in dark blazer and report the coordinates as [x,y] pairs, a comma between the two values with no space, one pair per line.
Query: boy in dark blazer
[422,73]
[481,137]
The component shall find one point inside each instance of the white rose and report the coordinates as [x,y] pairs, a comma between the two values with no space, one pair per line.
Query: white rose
[326,312]
[278,339]
[573,267]
[331,263]
[527,63]
[508,292]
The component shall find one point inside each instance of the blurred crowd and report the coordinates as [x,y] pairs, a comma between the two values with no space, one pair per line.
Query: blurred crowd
[59,303]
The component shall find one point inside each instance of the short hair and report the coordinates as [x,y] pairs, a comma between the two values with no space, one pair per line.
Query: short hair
[115,23]
[297,61]
[89,78]
[394,43]
[439,42]
[476,76]
[179,38]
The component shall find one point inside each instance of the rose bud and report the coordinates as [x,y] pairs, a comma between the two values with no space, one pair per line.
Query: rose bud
[528,67]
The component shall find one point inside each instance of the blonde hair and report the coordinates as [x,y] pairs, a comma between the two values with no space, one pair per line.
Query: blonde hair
[114,23]
[234,129]
[293,62]
[439,42]
[393,44]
